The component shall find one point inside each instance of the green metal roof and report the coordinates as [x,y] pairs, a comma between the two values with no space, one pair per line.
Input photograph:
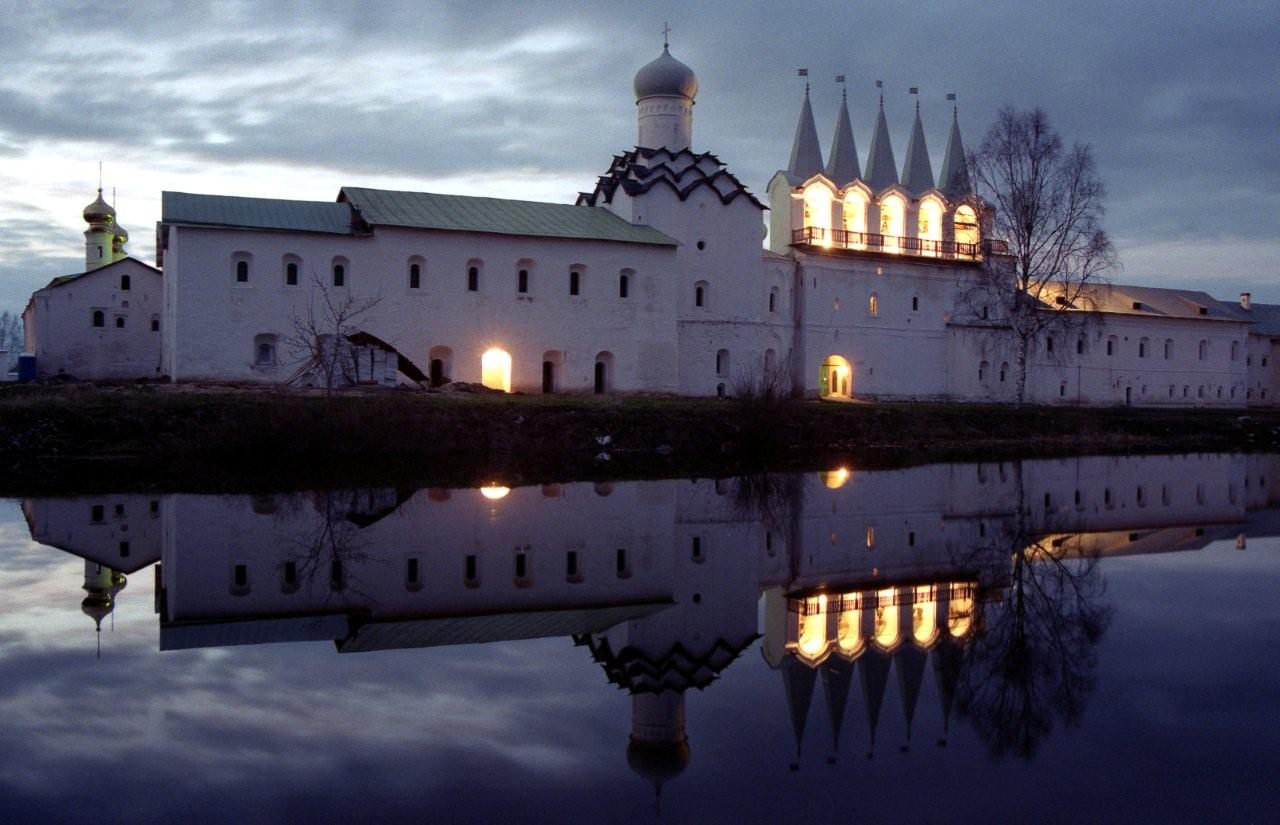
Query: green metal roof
[255,213]
[424,210]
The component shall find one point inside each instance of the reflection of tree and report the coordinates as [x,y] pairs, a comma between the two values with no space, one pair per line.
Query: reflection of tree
[1032,664]
[326,554]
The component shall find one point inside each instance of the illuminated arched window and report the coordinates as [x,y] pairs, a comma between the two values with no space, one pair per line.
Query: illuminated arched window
[929,226]
[924,616]
[966,225]
[811,636]
[892,220]
[885,627]
[817,214]
[855,215]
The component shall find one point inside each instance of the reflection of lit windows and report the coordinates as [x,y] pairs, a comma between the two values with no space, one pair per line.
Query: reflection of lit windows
[871,537]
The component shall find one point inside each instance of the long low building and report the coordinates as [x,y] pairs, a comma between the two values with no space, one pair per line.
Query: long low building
[654,281]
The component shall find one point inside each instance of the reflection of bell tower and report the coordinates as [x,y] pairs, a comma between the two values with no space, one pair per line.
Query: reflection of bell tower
[659,747]
[102,584]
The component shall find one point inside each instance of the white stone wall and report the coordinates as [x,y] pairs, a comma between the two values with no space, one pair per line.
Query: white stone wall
[217,319]
[60,331]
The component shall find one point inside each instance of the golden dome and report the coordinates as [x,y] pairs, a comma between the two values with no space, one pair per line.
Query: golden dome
[99,212]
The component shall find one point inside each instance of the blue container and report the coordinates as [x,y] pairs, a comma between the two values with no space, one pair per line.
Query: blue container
[26,367]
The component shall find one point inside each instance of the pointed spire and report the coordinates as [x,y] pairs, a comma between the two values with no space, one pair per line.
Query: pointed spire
[806,154]
[874,669]
[837,677]
[917,172]
[842,166]
[954,181]
[798,679]
[881,166]
[910,663]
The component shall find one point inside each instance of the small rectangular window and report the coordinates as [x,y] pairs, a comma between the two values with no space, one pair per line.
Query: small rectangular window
[339,275]
[522,565]
[574,282]
[124,549]
[473,279]
[99,318]
[411,571]
[155,324]
[290,572]
[125,283]
[97,513]
[470,571]
[620,561]
[622,286]
[240,574]
[415,276]
[571,564]
[291,274]
[242,272]
[522,282]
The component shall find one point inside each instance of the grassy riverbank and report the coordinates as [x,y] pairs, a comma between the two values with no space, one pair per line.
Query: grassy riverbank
[74,438]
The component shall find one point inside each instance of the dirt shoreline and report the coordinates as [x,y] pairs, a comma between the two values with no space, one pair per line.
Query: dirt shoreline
[82,438]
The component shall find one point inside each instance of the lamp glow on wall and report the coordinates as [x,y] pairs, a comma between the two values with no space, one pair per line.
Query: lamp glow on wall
[495,369]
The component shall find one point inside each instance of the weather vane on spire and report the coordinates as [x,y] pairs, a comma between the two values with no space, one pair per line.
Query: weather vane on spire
[666,30]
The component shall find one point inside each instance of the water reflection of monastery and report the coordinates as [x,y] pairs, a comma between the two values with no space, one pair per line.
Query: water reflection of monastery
[867,578]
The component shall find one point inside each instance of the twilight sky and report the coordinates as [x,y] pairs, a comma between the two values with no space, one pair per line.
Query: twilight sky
[294,100]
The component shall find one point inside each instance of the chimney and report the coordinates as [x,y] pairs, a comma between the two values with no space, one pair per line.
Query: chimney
[1245,297]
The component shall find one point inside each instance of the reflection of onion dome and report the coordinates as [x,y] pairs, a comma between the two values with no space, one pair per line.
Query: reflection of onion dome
[99,212]
[97,606]
[658,763]
[666,77]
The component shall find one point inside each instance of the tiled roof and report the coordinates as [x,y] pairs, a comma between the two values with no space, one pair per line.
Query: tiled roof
[255,213]
[1264,317]
[425,210]
[1154,302]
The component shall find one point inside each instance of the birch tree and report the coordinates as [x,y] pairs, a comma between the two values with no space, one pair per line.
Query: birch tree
[1046,202]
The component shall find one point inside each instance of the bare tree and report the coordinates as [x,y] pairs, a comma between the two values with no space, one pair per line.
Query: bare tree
[318,342]
[1046,204]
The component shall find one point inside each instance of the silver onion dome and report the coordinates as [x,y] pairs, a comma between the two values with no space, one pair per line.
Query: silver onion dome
[665,77]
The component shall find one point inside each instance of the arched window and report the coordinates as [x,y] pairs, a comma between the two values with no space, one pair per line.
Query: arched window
[340,267]
[264,350]
[700,294]
[240,267]
[119,322]
[892,220]
[473,275]
[551,361]
[982,371]
[624,283]
[1168,349]
[1142,348]
[966,225]
[855,214]
[126,282]
[773,299]
[915,303]
[1004,370]
[1111,345]
[1235,350]
[817,214]
[524,268]
[155,323]
[1080,345]
[722,363]
[415,273]
[291,265]
[98,318]
[575,280]
[929,226]
[1204,350]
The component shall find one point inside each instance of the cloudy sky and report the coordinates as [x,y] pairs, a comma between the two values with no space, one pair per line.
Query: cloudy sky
[275,99]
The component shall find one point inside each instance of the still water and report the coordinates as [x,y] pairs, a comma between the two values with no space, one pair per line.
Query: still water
[1090,639]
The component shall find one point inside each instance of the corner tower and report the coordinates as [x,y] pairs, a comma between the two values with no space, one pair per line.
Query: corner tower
[665,89]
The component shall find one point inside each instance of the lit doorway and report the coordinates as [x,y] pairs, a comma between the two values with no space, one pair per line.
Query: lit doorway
[835,380]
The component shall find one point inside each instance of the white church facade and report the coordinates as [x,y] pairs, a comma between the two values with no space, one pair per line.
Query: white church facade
[654,281]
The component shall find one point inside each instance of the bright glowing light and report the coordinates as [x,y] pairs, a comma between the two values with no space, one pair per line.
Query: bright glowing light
[812,643]
[495,369]
[924,616]
[836,378]
[494,491]
[960,611]
[886,620]
[835,479]
[966,225]
[849,629]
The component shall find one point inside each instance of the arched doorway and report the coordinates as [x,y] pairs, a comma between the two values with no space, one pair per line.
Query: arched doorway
[551,361]
[835,380]
[495,369]
[439,366]
[603,377]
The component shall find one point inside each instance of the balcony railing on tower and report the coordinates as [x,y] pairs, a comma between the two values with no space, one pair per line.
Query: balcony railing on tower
[895,244]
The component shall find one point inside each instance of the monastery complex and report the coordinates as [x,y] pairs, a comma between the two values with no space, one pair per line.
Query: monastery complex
[656,280]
